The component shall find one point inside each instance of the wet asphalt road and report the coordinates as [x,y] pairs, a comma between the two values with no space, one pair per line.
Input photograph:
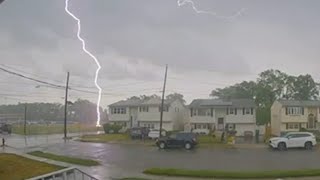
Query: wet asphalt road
[130,160]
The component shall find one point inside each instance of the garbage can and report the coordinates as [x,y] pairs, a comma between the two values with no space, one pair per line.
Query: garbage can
[257,136]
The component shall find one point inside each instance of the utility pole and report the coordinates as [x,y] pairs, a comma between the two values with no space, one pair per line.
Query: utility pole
[66,107]
[162,100]
[25,119]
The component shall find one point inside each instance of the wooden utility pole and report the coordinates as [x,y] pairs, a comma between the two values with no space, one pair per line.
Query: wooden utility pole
[66,107]
[25,119]
[162,100]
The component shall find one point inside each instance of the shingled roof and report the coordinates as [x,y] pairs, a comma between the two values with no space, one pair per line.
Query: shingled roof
[222,102]
[139,102]
[307,103]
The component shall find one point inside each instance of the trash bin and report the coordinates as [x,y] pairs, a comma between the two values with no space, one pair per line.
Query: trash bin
[257,136]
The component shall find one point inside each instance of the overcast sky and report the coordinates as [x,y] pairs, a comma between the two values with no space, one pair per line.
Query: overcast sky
[135,39]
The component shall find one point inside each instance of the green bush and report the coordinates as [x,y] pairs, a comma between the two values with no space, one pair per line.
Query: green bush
[111,128]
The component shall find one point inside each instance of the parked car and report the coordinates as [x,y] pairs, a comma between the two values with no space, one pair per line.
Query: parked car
[201,131]
[182,139]
[293,140]
[5,128]
[154,133]
[139,132]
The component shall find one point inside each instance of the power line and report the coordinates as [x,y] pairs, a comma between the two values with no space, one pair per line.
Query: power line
[32,79]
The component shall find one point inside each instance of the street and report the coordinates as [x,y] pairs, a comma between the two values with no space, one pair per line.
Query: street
[130,160]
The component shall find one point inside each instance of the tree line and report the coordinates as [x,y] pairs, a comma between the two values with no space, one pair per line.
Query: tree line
[81,110]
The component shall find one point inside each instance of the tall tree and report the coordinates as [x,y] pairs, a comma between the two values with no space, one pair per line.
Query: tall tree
[176,96]
[305,88]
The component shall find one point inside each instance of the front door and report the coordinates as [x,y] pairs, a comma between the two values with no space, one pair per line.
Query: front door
[220,124]
[311,122]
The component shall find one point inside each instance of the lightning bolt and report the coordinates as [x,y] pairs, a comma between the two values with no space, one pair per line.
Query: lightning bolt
[184,2]
[91,55]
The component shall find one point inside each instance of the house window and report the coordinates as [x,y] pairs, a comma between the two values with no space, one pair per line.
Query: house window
[294,111]
[198,126]
[202,112]
[233,111]
[176,109]
[118,111]
[293,126]
[165,108]
[144,109]
[247,111]
[195,112]
[152,126]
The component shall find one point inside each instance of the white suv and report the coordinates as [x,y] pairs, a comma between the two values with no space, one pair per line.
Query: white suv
[293,140]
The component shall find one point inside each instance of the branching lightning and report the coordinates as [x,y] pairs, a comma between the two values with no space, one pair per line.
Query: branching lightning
[184,2]
[91,55]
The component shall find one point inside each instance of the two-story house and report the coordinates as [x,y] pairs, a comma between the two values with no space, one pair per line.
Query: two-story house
[146,113]
[218,114]
[291,115]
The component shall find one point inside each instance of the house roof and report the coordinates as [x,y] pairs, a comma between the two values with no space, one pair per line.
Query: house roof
[128,102]
[139,102]
[309,103]
[222,102]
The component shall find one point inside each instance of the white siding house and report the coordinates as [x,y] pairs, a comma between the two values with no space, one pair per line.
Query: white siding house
[146,113]
[218,114]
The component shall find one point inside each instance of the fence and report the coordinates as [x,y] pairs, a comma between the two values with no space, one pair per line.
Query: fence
[66,174]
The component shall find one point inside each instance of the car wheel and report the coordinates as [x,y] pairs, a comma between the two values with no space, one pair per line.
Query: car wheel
[187,146]
[308,145]
[282,146]
[162,145]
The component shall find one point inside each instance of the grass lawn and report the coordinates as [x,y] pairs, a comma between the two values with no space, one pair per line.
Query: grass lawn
[34,129]
[233,174]
[14,167]
[67,159]
[104,138]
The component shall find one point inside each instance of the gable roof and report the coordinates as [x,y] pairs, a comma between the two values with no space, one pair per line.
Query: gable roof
[139,102]
[308,103]
[222,102]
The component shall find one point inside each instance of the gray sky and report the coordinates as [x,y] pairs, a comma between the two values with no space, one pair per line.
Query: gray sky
[135,39]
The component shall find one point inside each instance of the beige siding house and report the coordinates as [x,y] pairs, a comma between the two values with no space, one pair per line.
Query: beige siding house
[218,114]
[291,115]
[146,113]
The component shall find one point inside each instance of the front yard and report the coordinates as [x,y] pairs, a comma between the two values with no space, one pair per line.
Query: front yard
[14,167]
[233,174]
[67,159]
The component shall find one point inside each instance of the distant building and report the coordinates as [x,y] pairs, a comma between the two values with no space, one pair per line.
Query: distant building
[146,113]
[218,114]
[291,115]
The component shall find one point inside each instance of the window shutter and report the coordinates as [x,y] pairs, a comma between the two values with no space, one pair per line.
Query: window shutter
[235,111]
[287,112]
[211,112]
[251,111]
[234,126]
[286,125]
[227,111]
[191,112]
[302,109]
[243,111]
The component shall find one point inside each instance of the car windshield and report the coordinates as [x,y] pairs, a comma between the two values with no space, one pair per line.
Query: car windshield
[113,87]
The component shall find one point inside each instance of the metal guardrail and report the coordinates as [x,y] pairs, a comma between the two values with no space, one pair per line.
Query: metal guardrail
[65,174]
